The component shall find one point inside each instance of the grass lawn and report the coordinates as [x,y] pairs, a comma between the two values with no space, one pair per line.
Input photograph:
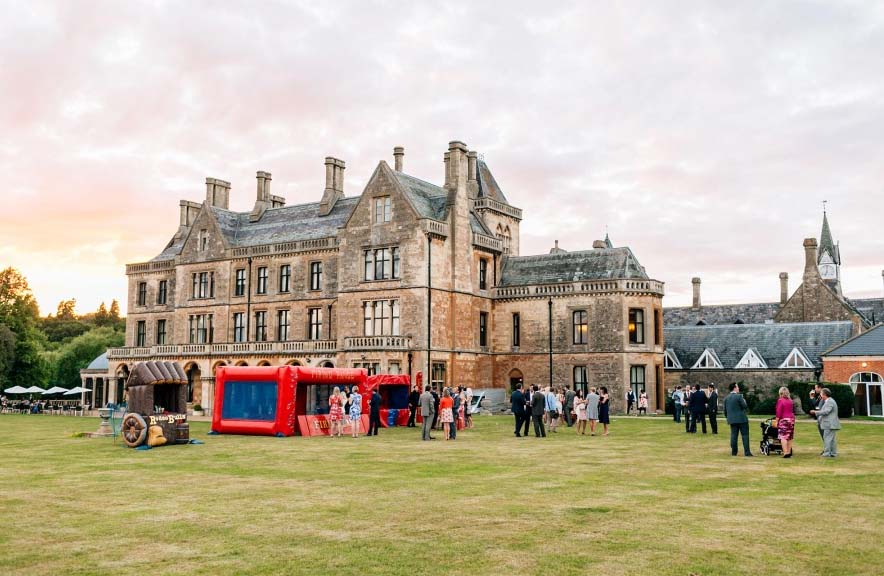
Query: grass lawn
[648,499]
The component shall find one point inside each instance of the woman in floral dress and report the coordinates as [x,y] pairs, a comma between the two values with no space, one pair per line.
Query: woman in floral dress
[355,411]
[336,412]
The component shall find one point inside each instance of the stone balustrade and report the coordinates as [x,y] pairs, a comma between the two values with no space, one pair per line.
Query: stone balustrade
[377,343]
[224,349]
[636,286]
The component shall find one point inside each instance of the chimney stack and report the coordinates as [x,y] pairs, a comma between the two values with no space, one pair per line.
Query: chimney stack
[696,282]
[334,184]
[784,287]
[810,262]
[472,174]
[217,193]
[398,156]
[456,164]
[447,170]
[598,244]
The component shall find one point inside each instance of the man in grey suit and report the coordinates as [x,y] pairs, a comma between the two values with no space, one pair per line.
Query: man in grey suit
[827,418]
[736,413]
[428,412]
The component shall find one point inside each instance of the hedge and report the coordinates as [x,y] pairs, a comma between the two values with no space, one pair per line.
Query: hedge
[841,393]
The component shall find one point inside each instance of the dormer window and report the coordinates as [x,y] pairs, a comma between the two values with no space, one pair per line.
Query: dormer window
[796,359]
[708,360]
[383,209]
[751,359]
[670,360]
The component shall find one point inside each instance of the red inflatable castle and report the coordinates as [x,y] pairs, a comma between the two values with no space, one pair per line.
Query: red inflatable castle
[285,400]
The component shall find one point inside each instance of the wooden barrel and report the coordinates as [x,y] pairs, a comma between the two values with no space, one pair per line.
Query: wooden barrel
[182,433]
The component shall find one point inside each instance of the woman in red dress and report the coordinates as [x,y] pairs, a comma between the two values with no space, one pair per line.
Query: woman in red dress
[336,412]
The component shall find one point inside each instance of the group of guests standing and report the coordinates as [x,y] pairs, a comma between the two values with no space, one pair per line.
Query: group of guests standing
[551,405]
[449,412]
[696,404]
[346,408]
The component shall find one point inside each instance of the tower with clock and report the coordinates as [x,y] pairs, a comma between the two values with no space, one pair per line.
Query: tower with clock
[829,257]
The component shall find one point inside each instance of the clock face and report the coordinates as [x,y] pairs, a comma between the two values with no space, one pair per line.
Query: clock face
[827,271]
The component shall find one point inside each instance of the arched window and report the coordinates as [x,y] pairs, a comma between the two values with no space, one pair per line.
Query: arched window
[865,378]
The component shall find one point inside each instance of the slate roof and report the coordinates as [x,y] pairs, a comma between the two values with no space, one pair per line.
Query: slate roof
[772,342]
[869,343]
[871,308]
[599,264]
[429,200]
[488,187]
[756,313]
[172,249]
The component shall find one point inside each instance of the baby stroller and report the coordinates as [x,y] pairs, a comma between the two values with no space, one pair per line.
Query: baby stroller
[770,441]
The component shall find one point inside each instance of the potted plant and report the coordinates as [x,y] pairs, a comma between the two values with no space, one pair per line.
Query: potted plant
[197,410]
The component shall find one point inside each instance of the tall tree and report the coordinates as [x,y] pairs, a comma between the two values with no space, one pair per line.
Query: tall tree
[19,313]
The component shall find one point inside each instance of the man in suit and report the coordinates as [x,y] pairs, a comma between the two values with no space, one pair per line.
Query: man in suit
[698,409]
[538,405]
[630,401]
[374,415]
[414,398]
[428,413]
[569,405]
[686,407]
[816,402]
[827,417]
[736,414]
[712,404]
[517,399]
[435,408]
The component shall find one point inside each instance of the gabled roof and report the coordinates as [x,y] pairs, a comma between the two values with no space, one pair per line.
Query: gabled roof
[598,264]
[488,187]
[772,342]
[869,343]
[757,313]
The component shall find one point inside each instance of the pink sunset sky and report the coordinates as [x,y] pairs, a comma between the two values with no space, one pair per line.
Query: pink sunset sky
[705,136]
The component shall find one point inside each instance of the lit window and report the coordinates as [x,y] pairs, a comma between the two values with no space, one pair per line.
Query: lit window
[581,328]
[636,326]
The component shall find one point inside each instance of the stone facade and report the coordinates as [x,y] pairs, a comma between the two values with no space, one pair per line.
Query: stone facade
[444,273]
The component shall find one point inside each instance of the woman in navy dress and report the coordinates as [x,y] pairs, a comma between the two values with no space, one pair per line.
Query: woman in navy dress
[604,409]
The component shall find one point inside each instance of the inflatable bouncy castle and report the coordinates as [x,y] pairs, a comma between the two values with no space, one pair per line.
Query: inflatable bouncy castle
[289,400]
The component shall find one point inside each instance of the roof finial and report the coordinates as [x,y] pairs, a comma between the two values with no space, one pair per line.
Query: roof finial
[824,206]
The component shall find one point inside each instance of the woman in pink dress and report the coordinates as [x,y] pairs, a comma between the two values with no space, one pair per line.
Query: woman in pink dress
[336,412]
[785,421]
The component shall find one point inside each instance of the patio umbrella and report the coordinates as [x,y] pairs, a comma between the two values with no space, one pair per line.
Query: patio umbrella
[16,390]
[54,390]
[77,390]
[34,390]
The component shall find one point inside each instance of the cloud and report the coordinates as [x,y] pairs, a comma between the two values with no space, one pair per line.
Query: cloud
[704,136]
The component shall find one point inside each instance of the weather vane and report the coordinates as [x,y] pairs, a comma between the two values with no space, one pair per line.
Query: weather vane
[824,206]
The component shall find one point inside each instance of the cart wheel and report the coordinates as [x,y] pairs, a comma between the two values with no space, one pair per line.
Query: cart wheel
[134,429]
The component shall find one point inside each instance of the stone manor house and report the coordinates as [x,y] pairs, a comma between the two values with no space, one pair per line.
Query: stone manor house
[407,277]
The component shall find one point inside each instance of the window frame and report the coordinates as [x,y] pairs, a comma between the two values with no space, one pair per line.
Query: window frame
[517,329]
[483,274]
[636,326]
[239,327]
[261,284]
[239,287]
[283,325]
[285,278]
[316,275]
[260,325]
[314,323]
[583,384]
[483,329]
[141,333]
[383,209]
[580,337]
[141,296]
[161,332]
[162,292]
